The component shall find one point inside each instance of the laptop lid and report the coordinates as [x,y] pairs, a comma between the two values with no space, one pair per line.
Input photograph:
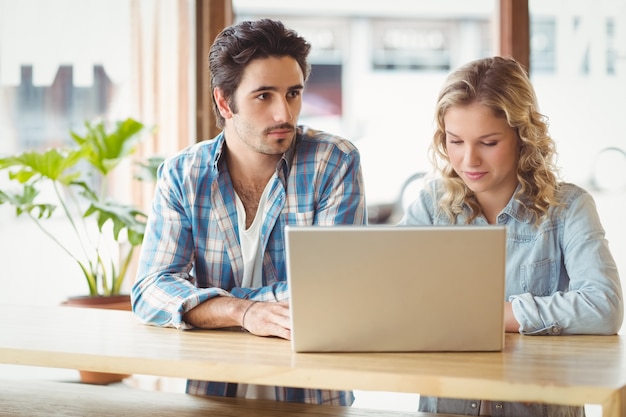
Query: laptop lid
[396,288]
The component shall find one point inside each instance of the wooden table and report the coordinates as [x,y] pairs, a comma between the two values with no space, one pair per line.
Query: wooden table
[573,370]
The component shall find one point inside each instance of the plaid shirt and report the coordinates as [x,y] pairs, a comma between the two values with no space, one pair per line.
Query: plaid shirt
[191,249]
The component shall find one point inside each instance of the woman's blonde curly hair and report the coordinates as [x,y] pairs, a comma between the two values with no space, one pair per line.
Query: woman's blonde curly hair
[502,85]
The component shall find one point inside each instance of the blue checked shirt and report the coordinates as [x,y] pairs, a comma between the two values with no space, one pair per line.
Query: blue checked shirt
[191,250]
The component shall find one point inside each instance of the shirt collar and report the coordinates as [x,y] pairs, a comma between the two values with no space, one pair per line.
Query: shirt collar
[516,210]
[284,164]
[219,145]
[283,167]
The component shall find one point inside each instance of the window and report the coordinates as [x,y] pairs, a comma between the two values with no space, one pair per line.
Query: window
[411,45]
[64,62]
[87,59]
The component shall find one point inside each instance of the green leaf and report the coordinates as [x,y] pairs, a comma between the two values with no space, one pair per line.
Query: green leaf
[148,169]
[25,202]
[123,217]
[106,149]
[53,164]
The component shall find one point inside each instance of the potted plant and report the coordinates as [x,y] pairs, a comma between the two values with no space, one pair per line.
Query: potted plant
[105,230]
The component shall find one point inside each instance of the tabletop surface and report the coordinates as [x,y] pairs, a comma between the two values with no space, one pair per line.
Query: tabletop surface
[558,369]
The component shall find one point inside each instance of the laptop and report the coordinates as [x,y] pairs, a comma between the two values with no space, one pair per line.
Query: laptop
[396,288]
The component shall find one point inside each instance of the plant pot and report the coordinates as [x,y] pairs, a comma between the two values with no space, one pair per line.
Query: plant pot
[112,302]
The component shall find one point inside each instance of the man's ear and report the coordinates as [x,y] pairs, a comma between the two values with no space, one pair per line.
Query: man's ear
[222,103]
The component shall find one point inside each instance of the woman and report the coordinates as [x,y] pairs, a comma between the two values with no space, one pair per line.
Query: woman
[495,163]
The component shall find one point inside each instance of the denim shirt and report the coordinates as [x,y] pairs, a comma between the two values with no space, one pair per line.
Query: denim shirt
[560,278]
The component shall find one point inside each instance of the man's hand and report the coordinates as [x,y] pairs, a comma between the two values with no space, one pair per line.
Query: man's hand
[267,319]
[261,318]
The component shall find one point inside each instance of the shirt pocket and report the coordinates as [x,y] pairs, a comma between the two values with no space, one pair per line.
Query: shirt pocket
[299,218]
[539,278]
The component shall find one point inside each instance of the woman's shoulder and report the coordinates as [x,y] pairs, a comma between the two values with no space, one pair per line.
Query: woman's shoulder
[573,204]
[427,195]
[434,187]
[568,193]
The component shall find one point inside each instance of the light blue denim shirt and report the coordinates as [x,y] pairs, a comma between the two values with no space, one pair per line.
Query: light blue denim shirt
[560,277]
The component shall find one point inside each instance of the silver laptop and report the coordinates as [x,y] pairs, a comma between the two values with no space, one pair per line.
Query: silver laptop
[396,288]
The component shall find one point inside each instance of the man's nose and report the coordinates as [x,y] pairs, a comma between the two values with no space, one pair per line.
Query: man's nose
[282,111]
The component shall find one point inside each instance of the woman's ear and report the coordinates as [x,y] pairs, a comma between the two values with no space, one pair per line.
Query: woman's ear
[222,103]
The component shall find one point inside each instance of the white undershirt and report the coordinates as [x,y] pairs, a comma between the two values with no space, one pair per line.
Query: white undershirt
[250,240]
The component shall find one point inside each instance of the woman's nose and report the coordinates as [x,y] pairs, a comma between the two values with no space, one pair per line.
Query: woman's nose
[472,156]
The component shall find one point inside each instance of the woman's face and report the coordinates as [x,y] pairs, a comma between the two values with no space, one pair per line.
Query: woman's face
[483,150]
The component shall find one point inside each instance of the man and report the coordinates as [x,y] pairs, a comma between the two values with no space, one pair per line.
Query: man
[213,255]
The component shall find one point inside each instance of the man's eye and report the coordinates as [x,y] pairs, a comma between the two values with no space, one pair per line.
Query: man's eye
[262,96]
[294,93]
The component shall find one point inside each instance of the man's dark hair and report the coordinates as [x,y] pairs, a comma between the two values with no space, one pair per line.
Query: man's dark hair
[237,45]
